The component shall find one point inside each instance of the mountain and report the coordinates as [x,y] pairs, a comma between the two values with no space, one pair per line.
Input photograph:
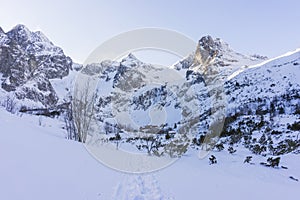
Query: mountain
[215,56]
[137,97]
[259,99]
[256,99]
[29,60]
[264,106]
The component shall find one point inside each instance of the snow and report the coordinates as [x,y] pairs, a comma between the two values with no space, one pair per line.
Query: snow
[229,179]
[285,57]
[37,162]
[63,87]
[272,78]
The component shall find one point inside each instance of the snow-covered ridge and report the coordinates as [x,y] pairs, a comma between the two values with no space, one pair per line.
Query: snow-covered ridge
[289,56]
[263,102]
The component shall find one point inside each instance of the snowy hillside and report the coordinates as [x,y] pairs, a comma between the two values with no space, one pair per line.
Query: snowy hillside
[40,164]
[171,112]
[264,104]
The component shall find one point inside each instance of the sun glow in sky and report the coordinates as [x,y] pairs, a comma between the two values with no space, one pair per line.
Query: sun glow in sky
[268,28]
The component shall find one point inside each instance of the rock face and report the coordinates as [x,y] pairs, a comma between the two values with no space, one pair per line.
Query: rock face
[207,50]
[27,61]
[214,56]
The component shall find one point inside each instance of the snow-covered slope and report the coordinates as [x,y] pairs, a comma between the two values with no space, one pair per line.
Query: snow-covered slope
[138,97]
[264,106]
[274,77]
[38,163]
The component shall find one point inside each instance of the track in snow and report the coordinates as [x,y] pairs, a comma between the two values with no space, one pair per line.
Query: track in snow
[139,187]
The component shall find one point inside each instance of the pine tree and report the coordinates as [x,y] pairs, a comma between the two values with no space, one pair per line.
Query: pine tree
[248,159]
[212,160]
[231,150]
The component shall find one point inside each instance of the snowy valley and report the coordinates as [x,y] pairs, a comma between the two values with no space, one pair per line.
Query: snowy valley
[254,155]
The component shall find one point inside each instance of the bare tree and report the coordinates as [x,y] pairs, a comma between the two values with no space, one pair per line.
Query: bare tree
[151,143]
[83,111]
[69,121]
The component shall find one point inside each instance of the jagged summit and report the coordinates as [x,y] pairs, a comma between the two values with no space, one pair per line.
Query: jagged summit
[207,43]
[19,29]
[26,55]
[32,42]
[20,33]
[208,49]
[213,46]
[131,56]
[214,56]
[131,61]
[107,66]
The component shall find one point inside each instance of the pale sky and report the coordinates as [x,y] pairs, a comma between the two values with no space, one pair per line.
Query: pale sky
[268,28]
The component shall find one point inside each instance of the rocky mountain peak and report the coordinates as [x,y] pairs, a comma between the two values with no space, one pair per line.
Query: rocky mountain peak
[208,49]
[212,45]
[131,61]
[214,56]
[207,43]
[32,42]
[20,33]
[26,55]
[131,56]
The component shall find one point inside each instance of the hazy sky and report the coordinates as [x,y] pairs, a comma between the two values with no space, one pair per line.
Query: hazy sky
[258,26]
